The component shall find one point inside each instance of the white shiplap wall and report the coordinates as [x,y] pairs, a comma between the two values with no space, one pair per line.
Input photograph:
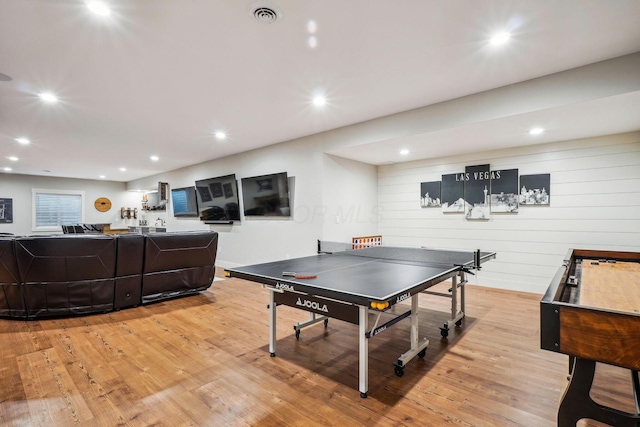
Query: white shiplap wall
[595,204]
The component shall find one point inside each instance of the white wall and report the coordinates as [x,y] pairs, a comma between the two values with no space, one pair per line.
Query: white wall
[321,188]
[349,202]
[595,204]
[332,199]
[18,188]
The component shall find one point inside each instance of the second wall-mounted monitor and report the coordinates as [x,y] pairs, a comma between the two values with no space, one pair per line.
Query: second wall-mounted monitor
[184,202]
[266,195]
[218,199]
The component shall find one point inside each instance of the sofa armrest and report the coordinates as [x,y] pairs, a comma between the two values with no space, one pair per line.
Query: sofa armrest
[11,298]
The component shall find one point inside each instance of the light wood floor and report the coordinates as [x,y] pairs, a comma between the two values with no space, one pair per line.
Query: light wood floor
[204,361]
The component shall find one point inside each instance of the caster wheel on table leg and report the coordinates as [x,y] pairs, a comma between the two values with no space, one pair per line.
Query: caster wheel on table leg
[326,322]
[422,353]
[363,395]
[444,332]
[399,370]
[298,334]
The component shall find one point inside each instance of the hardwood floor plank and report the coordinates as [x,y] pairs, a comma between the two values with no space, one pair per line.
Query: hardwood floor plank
[204,361]
[49,387]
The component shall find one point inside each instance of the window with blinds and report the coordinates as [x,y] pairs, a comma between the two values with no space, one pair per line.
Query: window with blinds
[53,208]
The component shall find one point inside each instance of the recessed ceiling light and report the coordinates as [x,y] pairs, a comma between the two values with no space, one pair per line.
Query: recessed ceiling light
[404,152]
[536,131]
[7,169]
[48,97]
[500,38]
[12,158]
[23,141]
[220,135]
[102,177]
[98,7]
[312,26]
[313,42]
[123,169]
[154,158]
[319,100]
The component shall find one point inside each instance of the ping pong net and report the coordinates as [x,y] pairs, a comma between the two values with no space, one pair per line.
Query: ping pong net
[427,256]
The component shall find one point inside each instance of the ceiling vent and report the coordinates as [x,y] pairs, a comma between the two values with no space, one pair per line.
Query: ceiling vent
[265,12]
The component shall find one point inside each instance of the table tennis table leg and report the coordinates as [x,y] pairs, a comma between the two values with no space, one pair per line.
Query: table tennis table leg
[272,324]
[454,296]
[463,281]
[418,347]
[414,323]
[363,327]
[313,319]
[456,314]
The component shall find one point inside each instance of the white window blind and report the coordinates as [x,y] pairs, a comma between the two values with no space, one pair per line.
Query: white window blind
[55,208]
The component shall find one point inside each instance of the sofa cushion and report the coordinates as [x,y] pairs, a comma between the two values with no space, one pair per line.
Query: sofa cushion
[177,264]
[67,274]
[130,257]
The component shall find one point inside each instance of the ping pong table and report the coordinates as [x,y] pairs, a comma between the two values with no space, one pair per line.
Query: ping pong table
[350,285]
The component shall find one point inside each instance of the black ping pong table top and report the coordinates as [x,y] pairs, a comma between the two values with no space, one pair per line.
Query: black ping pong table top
[360,276]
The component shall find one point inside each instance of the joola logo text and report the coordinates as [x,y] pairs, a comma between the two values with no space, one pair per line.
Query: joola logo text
[312,304]
[403,297]
[284,286]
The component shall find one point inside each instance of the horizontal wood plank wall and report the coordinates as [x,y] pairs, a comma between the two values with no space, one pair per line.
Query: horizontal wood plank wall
[595,204]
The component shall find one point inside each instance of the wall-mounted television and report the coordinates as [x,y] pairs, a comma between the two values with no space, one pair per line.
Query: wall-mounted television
[218,199]
[184,202]
[266,195]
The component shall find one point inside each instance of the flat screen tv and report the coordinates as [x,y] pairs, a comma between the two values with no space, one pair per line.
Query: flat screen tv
[218,199]
[266,195]
[184,201]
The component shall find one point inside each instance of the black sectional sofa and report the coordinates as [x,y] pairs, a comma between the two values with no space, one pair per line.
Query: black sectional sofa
[66,275]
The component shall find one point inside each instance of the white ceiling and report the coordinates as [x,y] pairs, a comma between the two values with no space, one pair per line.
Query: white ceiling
[159,77]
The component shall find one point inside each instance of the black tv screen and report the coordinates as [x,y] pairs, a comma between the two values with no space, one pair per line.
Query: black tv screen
[218,198]
[184,201]
[266,195]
